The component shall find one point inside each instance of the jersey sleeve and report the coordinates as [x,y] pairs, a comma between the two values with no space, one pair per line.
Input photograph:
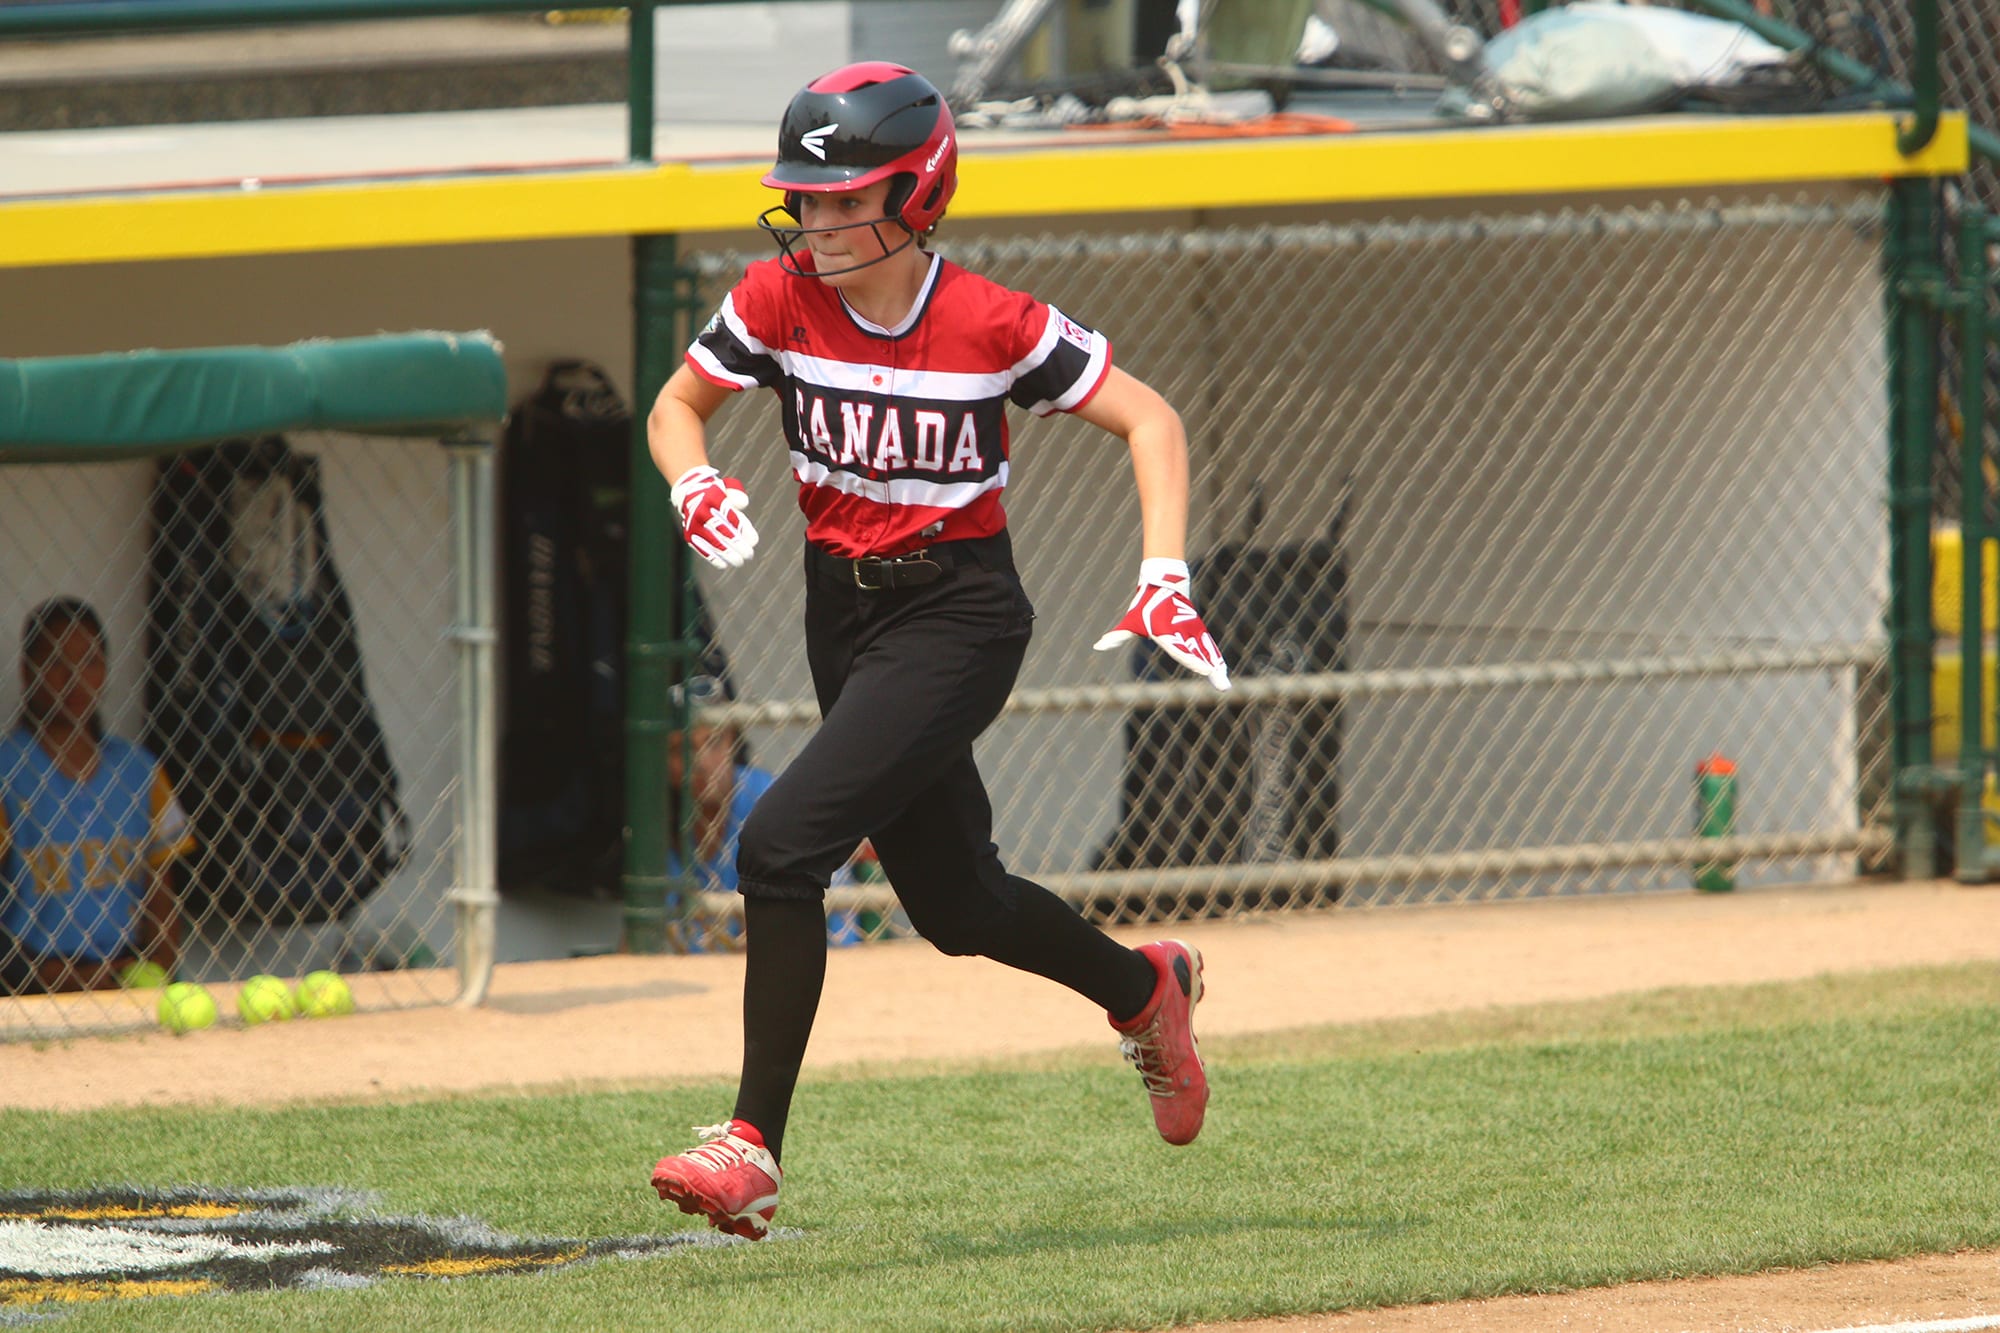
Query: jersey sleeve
[171,837]
[732,350]
[1063,365]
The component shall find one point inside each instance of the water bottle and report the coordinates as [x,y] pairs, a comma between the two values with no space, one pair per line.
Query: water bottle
[1715,817]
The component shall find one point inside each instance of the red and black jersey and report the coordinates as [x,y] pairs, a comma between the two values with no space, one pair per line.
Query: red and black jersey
[899,436]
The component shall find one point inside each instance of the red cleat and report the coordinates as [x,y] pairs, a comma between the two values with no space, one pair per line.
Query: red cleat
[1159,1040]
[731,1179]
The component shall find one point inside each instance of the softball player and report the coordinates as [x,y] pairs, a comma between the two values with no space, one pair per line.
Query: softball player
[893,370]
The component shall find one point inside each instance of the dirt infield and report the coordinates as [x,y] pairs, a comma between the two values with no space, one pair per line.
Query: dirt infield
[1843,1296]
[608,1020]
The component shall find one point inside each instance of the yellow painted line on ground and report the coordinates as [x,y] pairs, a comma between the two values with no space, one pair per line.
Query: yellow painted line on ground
[125,1212]
[18,1292]
[1659,153]
[487,1263]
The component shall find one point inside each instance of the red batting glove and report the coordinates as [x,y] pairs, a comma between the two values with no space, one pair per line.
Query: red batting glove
[712,517]
[1161,611]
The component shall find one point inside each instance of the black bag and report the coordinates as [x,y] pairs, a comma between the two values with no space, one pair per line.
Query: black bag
[1210,784]
[565,477]
[256,698]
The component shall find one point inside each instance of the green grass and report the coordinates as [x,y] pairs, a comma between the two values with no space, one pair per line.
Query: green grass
[1500,1151]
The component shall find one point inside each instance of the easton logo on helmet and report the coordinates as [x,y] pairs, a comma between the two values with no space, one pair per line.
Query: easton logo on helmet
[847,130]
[814,141]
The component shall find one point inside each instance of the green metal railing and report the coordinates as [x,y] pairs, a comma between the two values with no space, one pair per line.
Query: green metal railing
[1977,234]
[1915,288]
[1921,299]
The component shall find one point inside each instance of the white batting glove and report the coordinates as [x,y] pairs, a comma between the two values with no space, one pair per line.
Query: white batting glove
[1162,612]
[712,516]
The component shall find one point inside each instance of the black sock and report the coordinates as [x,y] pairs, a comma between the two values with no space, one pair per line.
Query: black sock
[784,969]
[1048,937]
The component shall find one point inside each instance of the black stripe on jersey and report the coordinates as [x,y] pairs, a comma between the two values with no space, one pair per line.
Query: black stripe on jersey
[737,357]
[928,439]
[1057,375]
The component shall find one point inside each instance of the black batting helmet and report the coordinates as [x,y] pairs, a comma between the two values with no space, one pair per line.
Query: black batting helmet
[864,123]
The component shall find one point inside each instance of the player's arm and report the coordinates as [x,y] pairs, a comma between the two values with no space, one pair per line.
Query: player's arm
[157,931]
[1135,412]
[711,505]
[677,428]
[1163,607]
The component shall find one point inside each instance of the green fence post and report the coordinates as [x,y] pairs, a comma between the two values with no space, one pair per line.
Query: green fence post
[650,578]
[1915,280]
[1926,80]
[639,54]
[682,317]
[652,646]
[1975,278]
[663,649]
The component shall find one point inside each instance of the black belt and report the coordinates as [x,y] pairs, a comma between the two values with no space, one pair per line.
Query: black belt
[913,569]
[873,573]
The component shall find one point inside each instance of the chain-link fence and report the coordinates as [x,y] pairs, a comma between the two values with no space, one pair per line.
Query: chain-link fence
[239,737]
[1505,524]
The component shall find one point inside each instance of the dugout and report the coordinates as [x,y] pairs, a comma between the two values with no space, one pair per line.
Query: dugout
[255,699]
[520,222]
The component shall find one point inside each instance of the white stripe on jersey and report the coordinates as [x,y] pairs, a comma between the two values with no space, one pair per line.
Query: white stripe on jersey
[714,367]
[900,490]
[739,328]
[937,385]
[1043,346]
[1100,351]
[1093,375]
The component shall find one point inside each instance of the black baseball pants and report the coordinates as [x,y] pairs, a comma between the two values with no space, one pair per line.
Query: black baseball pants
[907,678]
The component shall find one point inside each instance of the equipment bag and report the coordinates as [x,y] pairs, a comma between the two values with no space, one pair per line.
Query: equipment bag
[1211,784]
[565,481]
[255,694]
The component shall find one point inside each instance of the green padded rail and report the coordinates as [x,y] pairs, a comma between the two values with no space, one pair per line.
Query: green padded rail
[83,409]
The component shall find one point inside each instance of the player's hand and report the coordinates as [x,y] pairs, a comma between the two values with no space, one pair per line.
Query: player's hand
[712,517]
[1162,612]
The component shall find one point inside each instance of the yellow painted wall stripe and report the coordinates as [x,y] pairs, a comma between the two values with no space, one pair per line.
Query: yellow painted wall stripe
[1666,153]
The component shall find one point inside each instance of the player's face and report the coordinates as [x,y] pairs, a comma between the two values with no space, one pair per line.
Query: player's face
[714,764]
[837,242]
[63,675]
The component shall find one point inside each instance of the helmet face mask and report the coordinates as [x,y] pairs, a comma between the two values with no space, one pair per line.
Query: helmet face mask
[861,124]
[783,224]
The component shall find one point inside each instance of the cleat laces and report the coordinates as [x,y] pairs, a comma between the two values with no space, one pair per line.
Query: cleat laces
[1144,1051]
[720,1150]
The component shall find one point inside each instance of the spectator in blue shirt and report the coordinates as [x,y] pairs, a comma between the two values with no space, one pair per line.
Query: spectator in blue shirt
[88,823]
[725,787]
